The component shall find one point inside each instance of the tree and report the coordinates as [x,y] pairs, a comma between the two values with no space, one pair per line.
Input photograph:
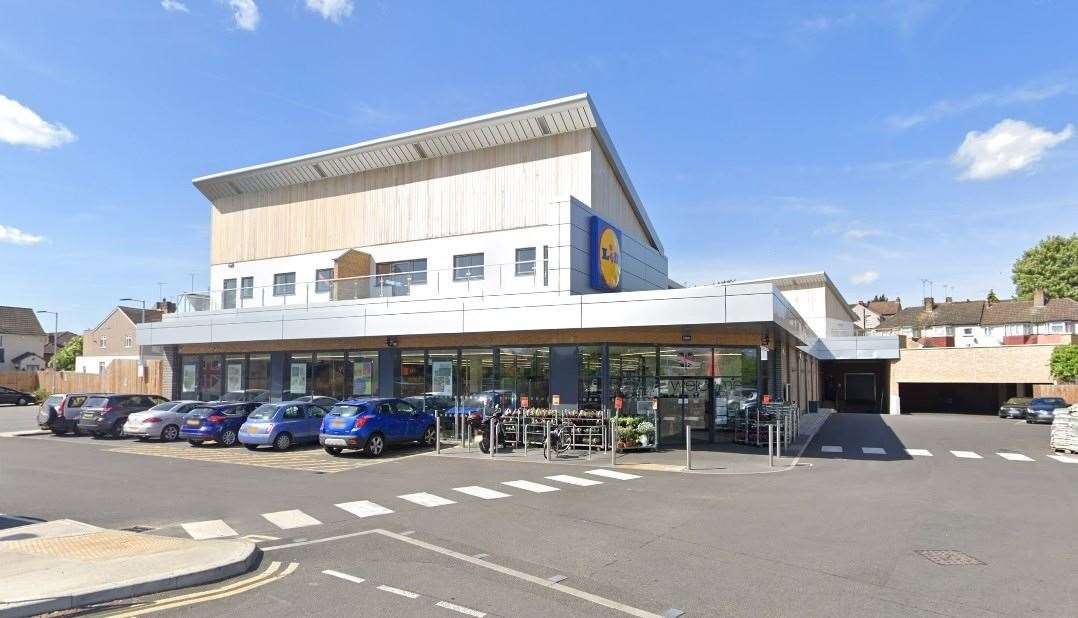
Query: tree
[64,359]
[992,298]
[1064,363]
[1052,264]
[879,298]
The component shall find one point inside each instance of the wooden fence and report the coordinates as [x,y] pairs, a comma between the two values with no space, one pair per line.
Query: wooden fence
[121,376]
[1069,392]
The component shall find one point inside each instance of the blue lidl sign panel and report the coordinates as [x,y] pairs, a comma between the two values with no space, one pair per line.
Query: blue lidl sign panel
[605,256]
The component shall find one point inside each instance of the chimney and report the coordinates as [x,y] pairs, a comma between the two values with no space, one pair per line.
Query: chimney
[898,301]
[929,303]
[165,306]
[1038,298]
[948,300]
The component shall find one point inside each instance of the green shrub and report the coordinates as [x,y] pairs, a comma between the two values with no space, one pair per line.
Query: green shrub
[1064,363]
[41,394]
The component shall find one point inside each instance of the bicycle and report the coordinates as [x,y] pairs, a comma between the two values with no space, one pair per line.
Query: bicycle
[559,440]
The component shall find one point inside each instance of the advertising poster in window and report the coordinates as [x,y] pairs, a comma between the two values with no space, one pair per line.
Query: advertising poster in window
[190,377]
[234,377]
[298,381]
[363,377]
[442,377]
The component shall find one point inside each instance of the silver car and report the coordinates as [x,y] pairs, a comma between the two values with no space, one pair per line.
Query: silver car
[161,421]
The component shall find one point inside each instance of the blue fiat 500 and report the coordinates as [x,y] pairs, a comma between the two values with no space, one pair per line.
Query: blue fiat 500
[369,425]
[282,425]
[219,422]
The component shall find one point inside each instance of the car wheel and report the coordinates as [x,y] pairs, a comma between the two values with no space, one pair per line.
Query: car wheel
[428,436]
[375,445]
[282,442]
[195,442]
[228,438]
[22,401]
[76,431]
[251,447]
[59,431]
[170,433]
[117,430]
[334,450]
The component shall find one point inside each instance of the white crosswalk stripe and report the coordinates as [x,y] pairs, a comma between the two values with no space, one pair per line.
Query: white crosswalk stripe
[873,450]
[425,499]
[1015,457]
[212,529]
[481,492]
[966,455]
[613,474]
[831,449]
[574,480]
[287,520]
[363,508]
[398,591]
[1064,459]
[918,452]
[530,486]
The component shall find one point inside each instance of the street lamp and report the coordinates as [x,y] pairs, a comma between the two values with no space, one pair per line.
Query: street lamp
[55,330]
[137,300]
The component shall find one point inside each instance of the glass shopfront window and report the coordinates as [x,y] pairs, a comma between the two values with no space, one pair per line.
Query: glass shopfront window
[235,365]
[413,373]
[210,379]
[685,362]
[258,371]
[329,375]
[633,378]
[476,371]
[364,373]
[189,378]
[444,367]
[591,366]
[525,372]
[299,374]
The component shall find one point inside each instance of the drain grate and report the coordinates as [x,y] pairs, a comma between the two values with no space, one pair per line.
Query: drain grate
[137,529]
[948,557]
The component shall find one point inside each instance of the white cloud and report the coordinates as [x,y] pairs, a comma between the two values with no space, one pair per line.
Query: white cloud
[333,10]
[174,6]
[1028,93]
[1009,146]
[859,233]
[869,276]
[820,24]
[245,13]
[21,126]
[15,236]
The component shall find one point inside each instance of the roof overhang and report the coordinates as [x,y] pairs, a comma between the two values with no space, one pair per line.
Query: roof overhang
[803,281]
[565,115]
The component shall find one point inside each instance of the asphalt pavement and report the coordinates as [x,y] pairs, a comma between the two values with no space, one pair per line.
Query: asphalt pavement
[838,534]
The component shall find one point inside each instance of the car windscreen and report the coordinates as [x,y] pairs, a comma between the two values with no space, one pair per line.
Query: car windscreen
[234,396]
[96,402]
[262,413]
[1044,401]
[54,400]
[1018,401]
[347,410]
[164,407]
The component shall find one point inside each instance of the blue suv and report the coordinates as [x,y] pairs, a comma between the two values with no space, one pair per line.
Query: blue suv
[282,425]
[219,422]
[1043,409]
[370,424]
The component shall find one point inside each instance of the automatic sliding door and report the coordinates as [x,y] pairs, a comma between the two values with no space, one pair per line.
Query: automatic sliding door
[671,414]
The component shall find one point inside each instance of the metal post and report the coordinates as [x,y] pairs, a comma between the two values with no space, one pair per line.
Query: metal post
[546,441]
[771,445]
[437,434]
[778,436]
[613,444]
[491,439]
[688,447]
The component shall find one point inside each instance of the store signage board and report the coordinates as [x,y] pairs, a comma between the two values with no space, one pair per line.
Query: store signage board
[524,401]
[763,352]
[605,256]
[555,400]
[619,403]
[298,381]
[442,376]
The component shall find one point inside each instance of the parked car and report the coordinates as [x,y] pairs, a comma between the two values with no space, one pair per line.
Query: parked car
[1015,407]
[61,413]
[161,421]
[1043,409]
[485,400]
[217,422]
[437,403]
[105,415]
[282,425]
[252,394]
[14,397]
[321,401]
[371,424]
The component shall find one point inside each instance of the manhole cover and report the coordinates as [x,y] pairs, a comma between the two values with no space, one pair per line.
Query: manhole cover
[948,557]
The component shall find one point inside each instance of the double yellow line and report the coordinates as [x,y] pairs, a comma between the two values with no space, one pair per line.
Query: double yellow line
[268,576]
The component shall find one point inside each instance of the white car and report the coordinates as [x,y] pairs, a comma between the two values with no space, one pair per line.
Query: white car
[161,421]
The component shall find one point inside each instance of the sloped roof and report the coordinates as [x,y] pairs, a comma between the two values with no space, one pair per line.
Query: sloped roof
[944,314]
[135,314]
[19,321]
[1022,311]
[885,307]
[63,337]
[25,355]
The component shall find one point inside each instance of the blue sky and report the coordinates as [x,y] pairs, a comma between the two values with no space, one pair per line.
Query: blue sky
[884,142]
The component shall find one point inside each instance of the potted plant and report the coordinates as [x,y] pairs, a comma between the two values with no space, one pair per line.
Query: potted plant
[626,437]
[646,433]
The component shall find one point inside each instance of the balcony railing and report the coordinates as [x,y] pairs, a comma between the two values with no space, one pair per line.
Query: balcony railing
[514,277]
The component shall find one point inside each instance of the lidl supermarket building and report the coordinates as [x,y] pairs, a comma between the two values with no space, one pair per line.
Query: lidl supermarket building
[503,252]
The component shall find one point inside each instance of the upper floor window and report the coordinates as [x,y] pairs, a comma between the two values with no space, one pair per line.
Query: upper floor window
[967,331]
[247,287]
[128,341]
[468,267]
[228,295]
[525,264]
[402,273]
[322,280]
[103,342]
[284,284]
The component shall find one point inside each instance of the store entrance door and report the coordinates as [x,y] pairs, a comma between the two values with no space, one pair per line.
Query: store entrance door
[682,402]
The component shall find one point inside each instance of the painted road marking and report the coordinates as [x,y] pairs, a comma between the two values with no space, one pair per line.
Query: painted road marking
[1014,457]
[574,480]
[831,449]
[966,455]
[403,593]
[467,611]
[918,452]
[530,486]
[212,529]
[873,450]
[481,492]
[345,576]
[1064,459]
[613,474]
[287,520]
[364,508]
[425,499]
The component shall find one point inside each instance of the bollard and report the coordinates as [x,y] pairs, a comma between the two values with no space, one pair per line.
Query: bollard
[546,441]
[688,447]
[524,427]
[437,435]
[771,445]
[778,436]
[613,444]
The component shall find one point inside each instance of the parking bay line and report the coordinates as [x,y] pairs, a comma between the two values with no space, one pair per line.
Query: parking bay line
[460,609]
[345,576]
[398,591]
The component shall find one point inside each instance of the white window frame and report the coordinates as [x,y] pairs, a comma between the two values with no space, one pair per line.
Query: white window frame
[247,287]
[284,289]
[129,341]
[524,267]
[471,272]
[323,285]
[1061,325]
[103,342]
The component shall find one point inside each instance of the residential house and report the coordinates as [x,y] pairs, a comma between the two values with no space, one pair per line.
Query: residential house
[936,325]
[115,338]
[61,338]
[870,314]
[28,361]
[20,333]
[1040,320]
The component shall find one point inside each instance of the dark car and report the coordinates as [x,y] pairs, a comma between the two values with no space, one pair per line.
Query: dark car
[437,403]
[218,422]
[1043,409]
[14,397]
[105,415]
[1015,407]
[370,424]
[60,413]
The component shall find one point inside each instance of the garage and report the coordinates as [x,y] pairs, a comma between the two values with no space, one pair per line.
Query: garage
[954,397]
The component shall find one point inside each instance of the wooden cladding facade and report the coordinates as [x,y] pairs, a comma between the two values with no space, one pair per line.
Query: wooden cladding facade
[504,187]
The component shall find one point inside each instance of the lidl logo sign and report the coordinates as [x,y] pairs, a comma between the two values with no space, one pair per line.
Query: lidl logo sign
[605,256]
